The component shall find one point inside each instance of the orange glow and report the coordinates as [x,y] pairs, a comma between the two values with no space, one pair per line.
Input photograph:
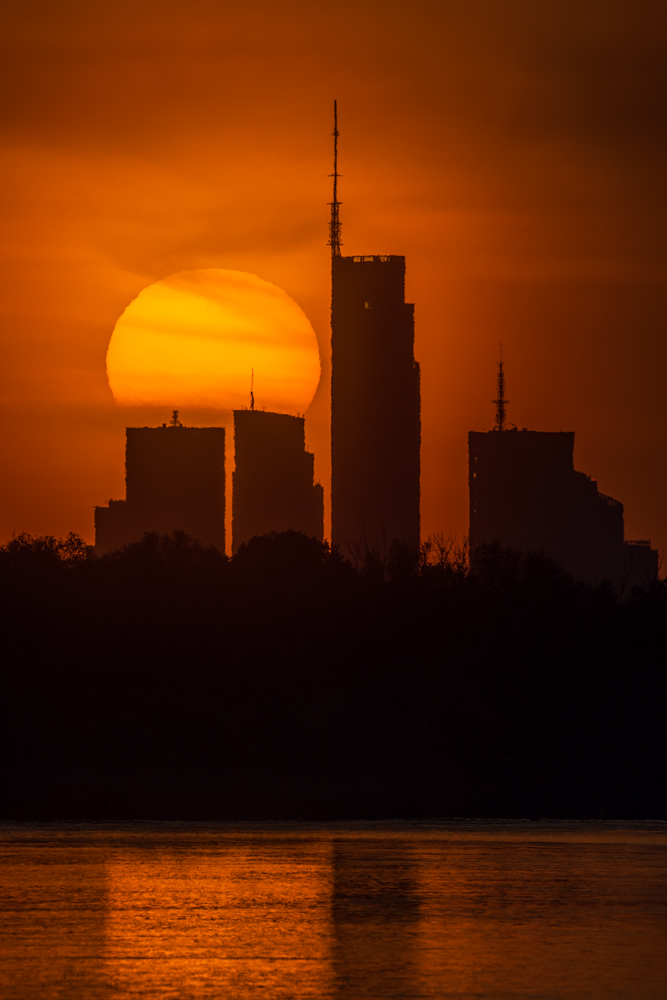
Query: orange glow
[194,338]
[512,152]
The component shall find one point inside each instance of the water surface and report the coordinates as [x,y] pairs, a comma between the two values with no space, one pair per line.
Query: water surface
[361,911]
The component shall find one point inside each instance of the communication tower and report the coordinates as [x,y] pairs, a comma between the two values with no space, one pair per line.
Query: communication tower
[334,225]
[501,402]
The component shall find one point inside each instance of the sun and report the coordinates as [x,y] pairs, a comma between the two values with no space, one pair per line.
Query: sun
[193,339]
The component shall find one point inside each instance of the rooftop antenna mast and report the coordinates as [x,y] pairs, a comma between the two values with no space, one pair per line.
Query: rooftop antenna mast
[334,225]
[501,402]
[252,388]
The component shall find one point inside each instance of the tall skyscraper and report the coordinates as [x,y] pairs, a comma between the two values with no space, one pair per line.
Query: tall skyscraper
[375,400]
[273,488]
[175,481]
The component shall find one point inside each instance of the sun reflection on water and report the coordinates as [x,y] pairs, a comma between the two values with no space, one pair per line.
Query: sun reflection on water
[357,912]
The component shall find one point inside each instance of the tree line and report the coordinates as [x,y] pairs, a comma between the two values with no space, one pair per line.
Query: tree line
[166,681]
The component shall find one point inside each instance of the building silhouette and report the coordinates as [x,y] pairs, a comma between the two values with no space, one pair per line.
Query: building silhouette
[272,485]
[375,401]
[526,495]
[175,481]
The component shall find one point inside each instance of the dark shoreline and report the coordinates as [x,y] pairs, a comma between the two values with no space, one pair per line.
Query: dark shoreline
[166,682]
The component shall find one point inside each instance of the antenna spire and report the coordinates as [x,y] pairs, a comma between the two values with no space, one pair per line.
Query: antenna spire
[334,225]
[501,402]
[252,388]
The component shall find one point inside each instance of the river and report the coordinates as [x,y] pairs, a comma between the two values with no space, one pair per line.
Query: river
[354,911]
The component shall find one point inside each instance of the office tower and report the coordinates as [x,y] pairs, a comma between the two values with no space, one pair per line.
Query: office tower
[375,401]
[175,481]
[526,494]
[273,488]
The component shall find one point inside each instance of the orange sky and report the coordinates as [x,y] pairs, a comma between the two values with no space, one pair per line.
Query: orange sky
[514,152]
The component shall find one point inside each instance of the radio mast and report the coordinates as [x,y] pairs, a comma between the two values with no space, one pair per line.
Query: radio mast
[334,225]
[501,402]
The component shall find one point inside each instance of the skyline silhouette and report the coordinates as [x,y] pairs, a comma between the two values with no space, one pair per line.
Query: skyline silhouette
[524,493]
[526,193]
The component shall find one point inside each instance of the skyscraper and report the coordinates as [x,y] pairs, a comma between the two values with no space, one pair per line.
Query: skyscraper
[526,495]
[273,488]
[375,400]
[175,481]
